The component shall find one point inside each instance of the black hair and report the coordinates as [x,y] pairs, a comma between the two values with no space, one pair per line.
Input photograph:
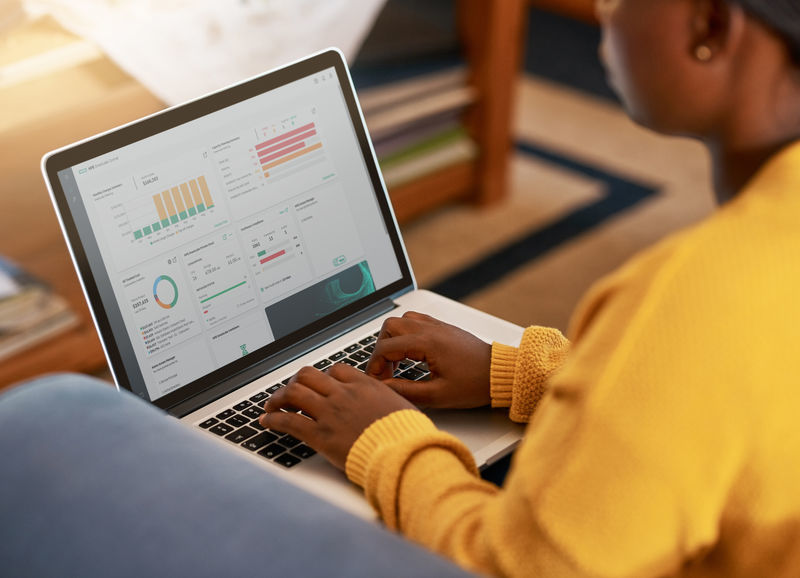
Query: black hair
[783,16]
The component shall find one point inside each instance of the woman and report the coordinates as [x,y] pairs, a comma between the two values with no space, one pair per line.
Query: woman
[663,435]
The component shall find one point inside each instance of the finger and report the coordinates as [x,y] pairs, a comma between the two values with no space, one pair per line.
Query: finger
[394,349]
[296,425]
[410,322]
[315,380]
[417,316]
[344,372]
[420,393]
[295,396]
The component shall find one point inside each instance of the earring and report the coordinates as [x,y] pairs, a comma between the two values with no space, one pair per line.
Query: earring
[703,53]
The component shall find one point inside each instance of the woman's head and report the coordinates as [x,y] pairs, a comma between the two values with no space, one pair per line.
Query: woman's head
[694,67]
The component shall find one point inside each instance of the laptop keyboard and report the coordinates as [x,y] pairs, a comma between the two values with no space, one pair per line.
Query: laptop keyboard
[239,423]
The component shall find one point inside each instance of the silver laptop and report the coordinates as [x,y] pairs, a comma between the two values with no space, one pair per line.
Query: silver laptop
[227,242]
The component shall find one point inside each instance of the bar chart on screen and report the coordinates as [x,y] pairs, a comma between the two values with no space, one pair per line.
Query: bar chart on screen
[274,161]
[160,214]
[169,207]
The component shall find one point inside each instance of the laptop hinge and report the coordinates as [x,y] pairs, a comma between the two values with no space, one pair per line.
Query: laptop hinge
[282,358]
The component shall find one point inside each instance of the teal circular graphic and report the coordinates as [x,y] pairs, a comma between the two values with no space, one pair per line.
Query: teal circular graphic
[169,280]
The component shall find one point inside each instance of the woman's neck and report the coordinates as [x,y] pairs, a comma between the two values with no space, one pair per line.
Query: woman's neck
[733,168]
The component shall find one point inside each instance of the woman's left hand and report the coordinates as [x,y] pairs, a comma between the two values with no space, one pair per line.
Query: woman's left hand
[337,405]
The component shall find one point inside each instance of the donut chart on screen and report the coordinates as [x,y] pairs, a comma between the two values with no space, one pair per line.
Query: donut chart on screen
[166,303]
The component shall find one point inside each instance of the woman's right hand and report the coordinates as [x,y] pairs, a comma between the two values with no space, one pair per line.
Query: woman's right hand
[459,362]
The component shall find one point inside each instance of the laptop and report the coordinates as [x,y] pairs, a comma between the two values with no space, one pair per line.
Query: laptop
[227,242]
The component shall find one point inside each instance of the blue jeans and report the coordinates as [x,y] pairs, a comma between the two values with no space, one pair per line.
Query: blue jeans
[99,483]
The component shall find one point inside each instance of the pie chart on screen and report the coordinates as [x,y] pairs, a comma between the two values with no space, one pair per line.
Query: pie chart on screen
[165,290]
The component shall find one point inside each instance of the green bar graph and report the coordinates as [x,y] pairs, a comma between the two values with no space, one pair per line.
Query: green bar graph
[192,212]
[201,207]
[183,215]
[147,230]
[137,234]
[165,222]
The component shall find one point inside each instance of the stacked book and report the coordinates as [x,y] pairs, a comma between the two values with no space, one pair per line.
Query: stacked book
[416,123]
[29,311]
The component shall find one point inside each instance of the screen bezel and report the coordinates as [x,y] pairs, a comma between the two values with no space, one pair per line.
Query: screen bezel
[93,147]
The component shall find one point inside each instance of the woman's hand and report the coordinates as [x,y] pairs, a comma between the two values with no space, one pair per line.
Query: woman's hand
[458,361]
[337,407]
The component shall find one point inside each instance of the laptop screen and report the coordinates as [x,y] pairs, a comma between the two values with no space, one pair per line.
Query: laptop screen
[213,235]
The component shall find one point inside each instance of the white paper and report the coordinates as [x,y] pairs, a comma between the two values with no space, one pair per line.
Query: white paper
[182,49]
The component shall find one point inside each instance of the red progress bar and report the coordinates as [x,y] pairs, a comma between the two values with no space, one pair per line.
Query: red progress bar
[285,135]
[273,256]
[286,143]
[282,152]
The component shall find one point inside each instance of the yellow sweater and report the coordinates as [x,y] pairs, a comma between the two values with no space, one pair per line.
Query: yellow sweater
[668,442]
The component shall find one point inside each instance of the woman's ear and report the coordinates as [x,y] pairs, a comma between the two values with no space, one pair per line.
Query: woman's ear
[715,25]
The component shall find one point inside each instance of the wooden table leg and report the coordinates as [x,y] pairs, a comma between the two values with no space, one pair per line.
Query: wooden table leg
[492,33]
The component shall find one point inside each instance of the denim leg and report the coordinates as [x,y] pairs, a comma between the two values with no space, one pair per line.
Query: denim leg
[100,483]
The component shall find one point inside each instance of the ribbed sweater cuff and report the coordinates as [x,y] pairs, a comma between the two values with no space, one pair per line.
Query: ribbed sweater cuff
[504,362]
[394,429]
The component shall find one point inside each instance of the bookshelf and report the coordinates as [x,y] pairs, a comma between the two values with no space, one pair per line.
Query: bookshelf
[101,96]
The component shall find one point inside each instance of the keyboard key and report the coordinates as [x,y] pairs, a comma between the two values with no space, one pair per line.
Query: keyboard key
[323,363]
[221,429]
[289,441]
[286,381]
[255,425]
[259,397]
[237,420]
[303,451]
[352,348]
[272,450]
[413,373]
[226,414]
[349,361]
[208,423]
[241,434]
[244,405]
[369,348]
[259,441]
[337,356]
[253,412]
[369,339]
[405,364]
[362,366]
[359,356]
[274,388]
[287,460]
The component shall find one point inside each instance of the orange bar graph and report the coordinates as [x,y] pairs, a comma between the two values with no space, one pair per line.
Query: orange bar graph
[187,197]
[178,200]
[198,199]
[170,205]
[162,213]
[292,156]
[206,194]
